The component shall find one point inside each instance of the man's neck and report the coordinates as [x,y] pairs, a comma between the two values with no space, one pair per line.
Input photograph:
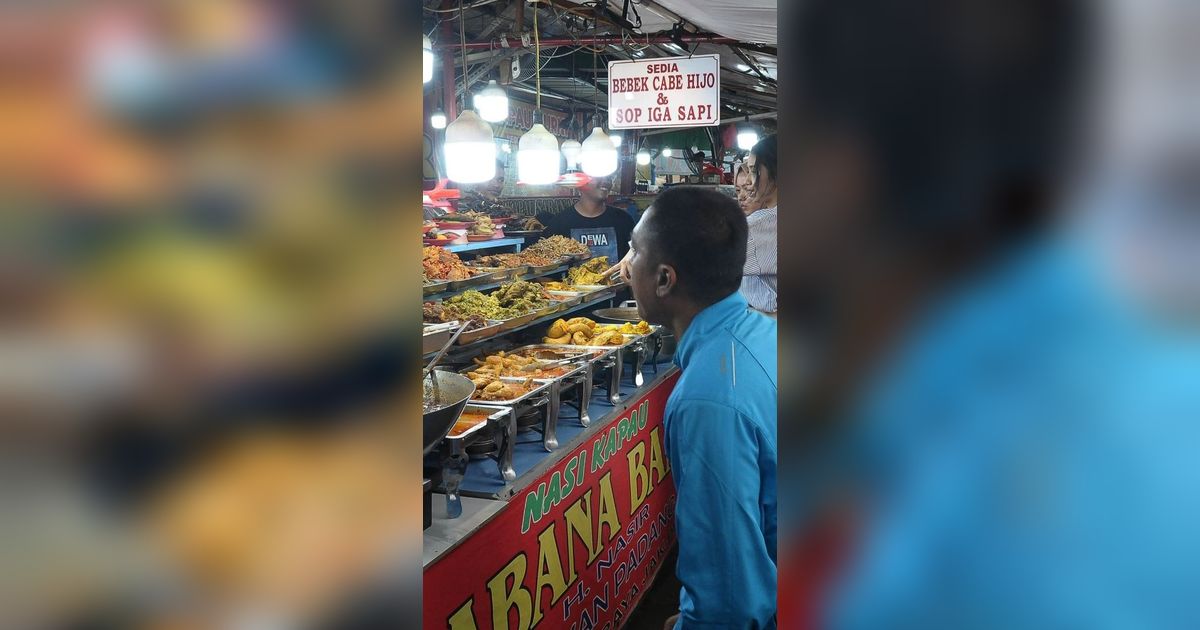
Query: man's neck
[589,209]
[683,318]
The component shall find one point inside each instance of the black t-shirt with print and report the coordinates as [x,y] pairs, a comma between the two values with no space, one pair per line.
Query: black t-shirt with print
[606,235]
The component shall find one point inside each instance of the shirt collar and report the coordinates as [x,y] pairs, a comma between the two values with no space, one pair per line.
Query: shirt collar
[706,321]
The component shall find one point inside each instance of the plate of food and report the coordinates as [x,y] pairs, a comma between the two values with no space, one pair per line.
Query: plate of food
[524,226]
[440,240]
[589,273]
[440,265]
[558,247]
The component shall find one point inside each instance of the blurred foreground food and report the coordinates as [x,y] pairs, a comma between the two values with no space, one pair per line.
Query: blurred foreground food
[206,353]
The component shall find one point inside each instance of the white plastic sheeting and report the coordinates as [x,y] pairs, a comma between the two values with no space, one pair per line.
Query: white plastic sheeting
[752,21]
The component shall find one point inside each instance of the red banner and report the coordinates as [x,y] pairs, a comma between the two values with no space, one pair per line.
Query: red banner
[577,548]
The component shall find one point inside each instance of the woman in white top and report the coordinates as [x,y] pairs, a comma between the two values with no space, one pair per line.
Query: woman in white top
[760,284]
[758,196]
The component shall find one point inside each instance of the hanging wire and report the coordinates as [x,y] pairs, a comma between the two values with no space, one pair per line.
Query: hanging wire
[473,5]
[595,80]
[462,40]
[537,62]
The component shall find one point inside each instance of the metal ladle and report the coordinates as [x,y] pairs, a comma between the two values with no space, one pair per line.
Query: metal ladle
[438,357]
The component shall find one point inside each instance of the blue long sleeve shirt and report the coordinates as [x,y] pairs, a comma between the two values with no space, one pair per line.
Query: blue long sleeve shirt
[1034,454]
[721,440]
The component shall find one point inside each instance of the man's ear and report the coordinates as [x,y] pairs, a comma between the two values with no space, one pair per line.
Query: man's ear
[664,280]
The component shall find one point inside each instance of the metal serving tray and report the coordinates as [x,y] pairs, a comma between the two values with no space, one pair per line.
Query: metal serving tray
[566,298]
[572,370]
[541,387]
[473,281]
[503,273]
[517,322]
[438,286]
[501,425]
[433,341]
[541,269]
[494,274]
[471,336]
[549,309]
[594,353]
[496,413]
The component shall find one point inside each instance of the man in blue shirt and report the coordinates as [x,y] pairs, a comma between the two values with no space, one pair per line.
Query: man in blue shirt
[685,269]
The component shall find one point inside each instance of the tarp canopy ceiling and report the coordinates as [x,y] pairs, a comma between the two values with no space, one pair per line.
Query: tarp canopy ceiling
[571,74]
[752,21]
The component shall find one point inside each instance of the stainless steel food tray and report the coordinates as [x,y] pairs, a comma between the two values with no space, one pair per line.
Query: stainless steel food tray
[574,369]
[540,269]
[541,387]
[517,322]
[496,274]
[496,413]
[433,341]
[432,288]
[471,336]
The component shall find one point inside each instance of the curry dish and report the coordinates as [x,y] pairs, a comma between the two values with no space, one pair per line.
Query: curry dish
[467,421]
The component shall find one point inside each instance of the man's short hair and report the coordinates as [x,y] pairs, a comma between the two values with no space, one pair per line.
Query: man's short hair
[702,234]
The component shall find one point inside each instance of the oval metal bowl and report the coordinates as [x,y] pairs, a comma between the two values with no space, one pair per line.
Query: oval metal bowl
[454,390]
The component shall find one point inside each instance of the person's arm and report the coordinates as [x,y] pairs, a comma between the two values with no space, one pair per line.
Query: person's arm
[726,570]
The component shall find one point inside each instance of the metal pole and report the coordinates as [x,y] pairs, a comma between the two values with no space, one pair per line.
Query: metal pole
[602,41]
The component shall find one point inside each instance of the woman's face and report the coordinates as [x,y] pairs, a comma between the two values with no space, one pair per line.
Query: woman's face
[741,184]
[762,187]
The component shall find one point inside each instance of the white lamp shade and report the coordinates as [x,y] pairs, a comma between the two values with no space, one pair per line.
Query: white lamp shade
[492,103]
[643,158]
[598,157]
[570,150]
[537,156]
[616,139]
[437,120]
[746,139]
[470,150]
[426,59]
[666,152]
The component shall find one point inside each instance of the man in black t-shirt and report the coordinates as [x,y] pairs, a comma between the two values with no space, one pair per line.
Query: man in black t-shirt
[605,229]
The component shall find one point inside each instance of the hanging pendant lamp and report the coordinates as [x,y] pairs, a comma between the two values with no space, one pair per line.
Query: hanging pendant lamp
[537,156]
[470,150]
[570,151]
[747,137]
[470,147]
[492,103]
[598,157]
[437,120]
[537,151]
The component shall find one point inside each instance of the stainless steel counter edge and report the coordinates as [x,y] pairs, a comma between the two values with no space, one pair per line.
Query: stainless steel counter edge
[445,534]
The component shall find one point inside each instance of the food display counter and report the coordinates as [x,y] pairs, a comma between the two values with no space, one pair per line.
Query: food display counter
[551,502]
[573,539]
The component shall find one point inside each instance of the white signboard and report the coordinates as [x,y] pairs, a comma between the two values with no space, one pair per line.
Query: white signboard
[666,92]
